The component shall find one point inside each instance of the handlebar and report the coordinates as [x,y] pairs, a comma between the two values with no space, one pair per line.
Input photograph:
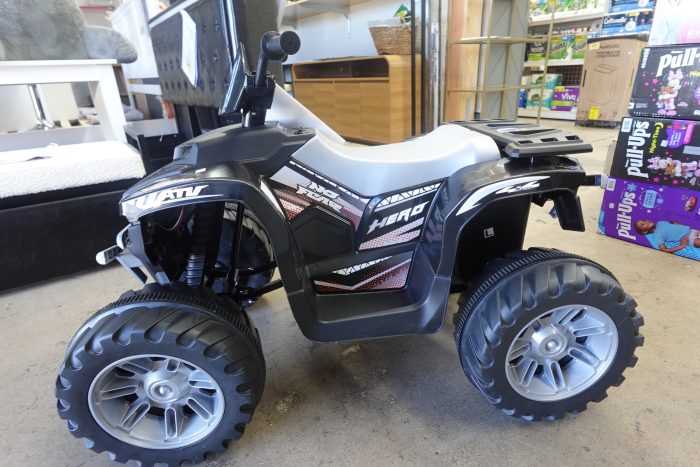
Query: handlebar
[275,46]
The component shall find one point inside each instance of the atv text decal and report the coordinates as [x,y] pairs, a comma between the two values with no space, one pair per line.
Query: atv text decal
[321,195]
[513,185]
[159,198]
[404,215]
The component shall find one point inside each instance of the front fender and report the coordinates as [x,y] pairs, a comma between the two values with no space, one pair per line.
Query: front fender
[177,186]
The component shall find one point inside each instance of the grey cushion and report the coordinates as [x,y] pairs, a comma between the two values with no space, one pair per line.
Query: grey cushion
[56,30]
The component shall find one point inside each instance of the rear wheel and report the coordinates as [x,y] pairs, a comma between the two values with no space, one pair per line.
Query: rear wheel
[542,333]
[162,378]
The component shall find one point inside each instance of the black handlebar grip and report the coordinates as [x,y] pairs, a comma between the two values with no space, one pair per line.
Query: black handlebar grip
[276,46]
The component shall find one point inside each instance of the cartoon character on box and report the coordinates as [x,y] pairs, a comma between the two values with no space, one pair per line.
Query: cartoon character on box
[669,166]
[664,232]
[666,102]
[689,168]
[654,163]
[690,203]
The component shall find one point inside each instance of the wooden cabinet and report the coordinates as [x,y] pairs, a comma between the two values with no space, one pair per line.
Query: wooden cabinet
[363,99]
[348,109]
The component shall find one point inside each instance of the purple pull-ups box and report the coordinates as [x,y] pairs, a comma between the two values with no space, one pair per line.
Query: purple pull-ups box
[659,217]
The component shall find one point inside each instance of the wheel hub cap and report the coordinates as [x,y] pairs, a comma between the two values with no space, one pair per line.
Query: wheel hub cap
[549,341]
[561,353]
[163,392]
[156,402]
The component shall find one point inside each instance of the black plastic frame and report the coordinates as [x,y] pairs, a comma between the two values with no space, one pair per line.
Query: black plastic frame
[234,174]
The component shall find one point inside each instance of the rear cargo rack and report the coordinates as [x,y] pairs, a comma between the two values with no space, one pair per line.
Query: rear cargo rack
[524,140]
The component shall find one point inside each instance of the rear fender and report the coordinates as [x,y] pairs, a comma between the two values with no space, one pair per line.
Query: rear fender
[483,212]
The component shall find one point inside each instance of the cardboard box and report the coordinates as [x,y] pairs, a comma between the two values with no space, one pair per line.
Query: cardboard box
[668,83]
[608,71]
[609,155]
[628,22]
[565,98]
[675,22]
[661,151]
[617,6]
[663,218]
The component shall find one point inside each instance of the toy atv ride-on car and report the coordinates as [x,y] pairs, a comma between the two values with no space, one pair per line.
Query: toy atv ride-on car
[369,242]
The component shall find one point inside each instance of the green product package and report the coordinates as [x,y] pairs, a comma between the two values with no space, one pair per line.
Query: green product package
[404,13]
[559,47]
[541,7]
[568,47]
[553,80]
[536,51]
[579,46]
[576,5]
[535,95]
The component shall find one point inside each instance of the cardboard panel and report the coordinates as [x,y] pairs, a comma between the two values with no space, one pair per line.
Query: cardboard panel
[609,69]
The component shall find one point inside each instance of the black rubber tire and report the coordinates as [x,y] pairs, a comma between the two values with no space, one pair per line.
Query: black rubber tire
[515,290]
[255,251]
[206,331]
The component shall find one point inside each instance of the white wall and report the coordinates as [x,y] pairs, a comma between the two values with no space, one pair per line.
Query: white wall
[96,17]
[326,35]
[22,116]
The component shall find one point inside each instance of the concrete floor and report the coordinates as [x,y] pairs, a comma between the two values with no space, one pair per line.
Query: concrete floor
[393,401]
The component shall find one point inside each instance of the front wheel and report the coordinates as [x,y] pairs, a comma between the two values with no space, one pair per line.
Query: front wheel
[542,333]
[161,378]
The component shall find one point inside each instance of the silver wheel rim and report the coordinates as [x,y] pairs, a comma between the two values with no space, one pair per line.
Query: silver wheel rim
[156,401]
[561,353]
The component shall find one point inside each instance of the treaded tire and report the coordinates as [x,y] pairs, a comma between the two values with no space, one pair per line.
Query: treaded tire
[515,290]
[204,330]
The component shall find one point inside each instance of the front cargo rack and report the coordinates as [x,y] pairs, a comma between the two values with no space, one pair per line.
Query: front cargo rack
[525,140]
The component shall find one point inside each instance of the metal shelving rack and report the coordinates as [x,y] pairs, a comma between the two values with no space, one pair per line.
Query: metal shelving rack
[571,69]
[500,61]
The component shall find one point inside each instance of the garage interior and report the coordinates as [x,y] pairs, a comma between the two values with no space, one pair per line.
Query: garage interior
[397,400]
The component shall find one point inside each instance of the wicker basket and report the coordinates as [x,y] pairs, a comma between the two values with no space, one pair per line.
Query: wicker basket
[391,37]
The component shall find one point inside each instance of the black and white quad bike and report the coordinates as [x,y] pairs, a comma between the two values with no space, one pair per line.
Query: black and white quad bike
[369,242]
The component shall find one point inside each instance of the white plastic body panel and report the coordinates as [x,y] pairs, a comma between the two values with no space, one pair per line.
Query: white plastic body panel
[371,170]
